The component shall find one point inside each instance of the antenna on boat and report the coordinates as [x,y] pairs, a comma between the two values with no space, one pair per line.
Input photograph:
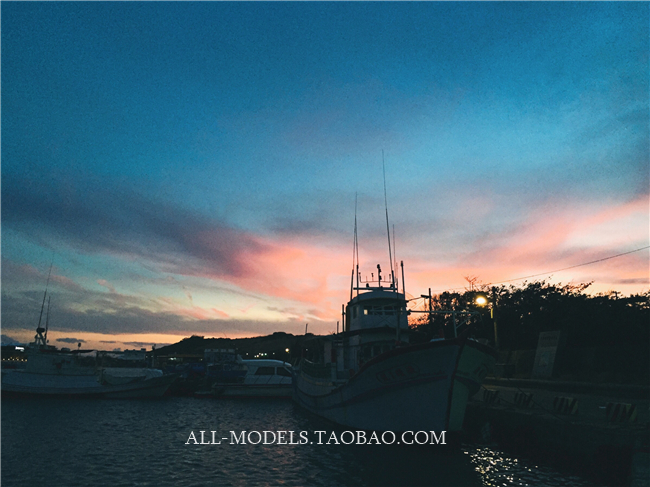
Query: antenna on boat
[355,251]
[390,253]
[395,283]
[356,242]
[40,318]
[47,319]
[39,339]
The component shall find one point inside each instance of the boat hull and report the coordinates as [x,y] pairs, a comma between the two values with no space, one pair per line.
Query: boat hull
[21,383]
[421,387]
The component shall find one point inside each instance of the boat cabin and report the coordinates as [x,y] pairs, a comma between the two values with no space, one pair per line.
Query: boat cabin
[251,372]
[267,372]
[376,321]
[376,308]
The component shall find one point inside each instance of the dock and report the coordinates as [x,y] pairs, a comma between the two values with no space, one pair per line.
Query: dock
[601,429]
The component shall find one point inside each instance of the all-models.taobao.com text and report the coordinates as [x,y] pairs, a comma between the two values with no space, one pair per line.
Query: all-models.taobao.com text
[204,437]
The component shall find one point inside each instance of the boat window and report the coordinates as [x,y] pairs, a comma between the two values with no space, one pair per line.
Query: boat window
[365,311]
[284,372]
[365,353]
[265,371]
[381,310]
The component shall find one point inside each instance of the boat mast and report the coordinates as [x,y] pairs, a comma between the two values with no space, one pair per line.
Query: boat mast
[390,253]
[47,319]
[356,245]
[355,252]
[39,339]
[395,283]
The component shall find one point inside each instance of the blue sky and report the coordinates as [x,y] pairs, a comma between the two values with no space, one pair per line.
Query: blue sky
[192,167]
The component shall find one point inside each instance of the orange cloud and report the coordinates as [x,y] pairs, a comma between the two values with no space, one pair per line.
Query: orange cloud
[552,239]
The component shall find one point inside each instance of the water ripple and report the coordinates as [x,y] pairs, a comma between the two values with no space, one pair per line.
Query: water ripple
[62,442]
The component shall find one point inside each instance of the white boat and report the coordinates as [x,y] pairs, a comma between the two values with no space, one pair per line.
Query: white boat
[369,377]
[53,372]
[239,378]
[58,375]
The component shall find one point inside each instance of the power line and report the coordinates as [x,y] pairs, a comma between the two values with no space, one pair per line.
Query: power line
[564,268]
[573,266]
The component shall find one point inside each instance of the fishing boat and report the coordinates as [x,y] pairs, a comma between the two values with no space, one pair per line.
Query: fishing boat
[369,377]
[233,377]
[57,374]
[49,371]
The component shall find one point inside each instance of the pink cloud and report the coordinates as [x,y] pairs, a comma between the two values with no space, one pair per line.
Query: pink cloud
[303,272]
[292,270]
[19,275]
[315,277]
[553,239]
[219,313]
[192,312]
[288,269]
[66,282]
[106,284]
[556,239]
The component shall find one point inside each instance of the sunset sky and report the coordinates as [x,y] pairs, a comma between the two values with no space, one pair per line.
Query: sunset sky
[192,168]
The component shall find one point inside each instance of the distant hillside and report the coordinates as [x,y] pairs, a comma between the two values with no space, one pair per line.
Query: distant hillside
[274,346]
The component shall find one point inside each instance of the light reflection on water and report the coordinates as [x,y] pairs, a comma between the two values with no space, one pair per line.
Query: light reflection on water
[496,468]
[123,443]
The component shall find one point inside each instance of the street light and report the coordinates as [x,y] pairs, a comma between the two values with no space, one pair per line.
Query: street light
[482,300]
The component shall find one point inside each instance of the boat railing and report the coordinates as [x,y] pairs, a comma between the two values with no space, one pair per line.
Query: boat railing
[461,319]
[342,376]
[318,370]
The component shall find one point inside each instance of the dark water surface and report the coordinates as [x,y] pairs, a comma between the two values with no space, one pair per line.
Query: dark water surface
[63,442]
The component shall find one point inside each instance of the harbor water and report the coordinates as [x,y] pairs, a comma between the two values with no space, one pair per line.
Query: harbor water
[64,442]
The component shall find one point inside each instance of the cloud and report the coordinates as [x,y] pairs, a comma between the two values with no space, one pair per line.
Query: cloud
[99,219]
[306,273]
[641,280]
[170,240]
[571,233]
[7,340]
[189,295]
[70,340]
[20,275]
[101,315]
[106,284]
[142,344]
[563,234]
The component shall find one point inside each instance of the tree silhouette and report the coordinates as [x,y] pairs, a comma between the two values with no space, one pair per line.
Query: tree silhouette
[616,328]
